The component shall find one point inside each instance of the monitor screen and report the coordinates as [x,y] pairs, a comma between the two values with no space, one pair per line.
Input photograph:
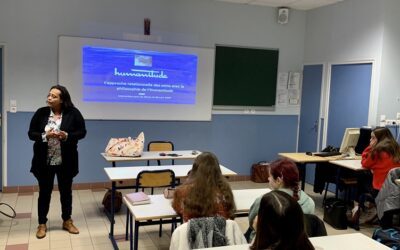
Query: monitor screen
[350,139]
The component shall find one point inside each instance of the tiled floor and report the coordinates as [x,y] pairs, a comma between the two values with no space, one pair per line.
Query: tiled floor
[19,233]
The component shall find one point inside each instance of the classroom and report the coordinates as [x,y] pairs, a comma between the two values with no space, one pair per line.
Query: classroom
[349,32]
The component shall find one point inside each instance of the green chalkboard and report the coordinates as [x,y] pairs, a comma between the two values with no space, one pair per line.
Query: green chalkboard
[245,76]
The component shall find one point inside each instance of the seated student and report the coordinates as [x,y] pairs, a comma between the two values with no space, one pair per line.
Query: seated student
[388,199]
[283,176]
[206,192]
[206,232]
[280,223]
[382,154]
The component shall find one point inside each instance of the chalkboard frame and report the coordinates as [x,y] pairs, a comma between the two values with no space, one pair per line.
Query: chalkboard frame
[232,61]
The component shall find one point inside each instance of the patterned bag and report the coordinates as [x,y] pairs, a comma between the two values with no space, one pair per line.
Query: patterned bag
[125,146]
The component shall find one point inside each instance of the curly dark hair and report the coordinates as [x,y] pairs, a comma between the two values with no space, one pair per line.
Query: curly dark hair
[64,96]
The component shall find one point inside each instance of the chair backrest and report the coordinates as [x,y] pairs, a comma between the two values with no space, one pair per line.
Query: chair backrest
[156,178]
[160,146]
[314,226]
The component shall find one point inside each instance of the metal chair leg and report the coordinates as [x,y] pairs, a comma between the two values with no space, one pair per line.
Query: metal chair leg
[326,191]
[127,223]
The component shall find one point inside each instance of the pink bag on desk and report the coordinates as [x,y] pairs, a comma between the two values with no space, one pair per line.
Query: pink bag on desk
[125,146]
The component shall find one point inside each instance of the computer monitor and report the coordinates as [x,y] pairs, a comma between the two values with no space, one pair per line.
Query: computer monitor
[349,142]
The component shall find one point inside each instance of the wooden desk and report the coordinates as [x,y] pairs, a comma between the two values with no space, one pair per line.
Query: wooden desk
[160,208]
[130,173]
[354,241]
[354,165]
[302,159]
[154,155]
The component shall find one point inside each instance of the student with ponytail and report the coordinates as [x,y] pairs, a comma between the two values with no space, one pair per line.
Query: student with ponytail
[283,176]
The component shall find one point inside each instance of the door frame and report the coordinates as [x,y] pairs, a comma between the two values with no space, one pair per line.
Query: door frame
[373,98]
[3,149]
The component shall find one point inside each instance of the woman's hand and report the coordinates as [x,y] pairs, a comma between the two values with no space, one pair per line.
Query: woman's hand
[62,135]
[57,134]
[373,140]
[51,134]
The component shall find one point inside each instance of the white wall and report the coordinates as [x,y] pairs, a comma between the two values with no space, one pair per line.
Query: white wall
[30,31]
[351,31]
[389,95]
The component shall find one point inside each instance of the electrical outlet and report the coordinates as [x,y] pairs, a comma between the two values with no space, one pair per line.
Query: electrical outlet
[398,116]
[391,122]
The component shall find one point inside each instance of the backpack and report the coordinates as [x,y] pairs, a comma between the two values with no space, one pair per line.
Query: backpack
[389,237]
[335,213]
[117,201]
[259,172]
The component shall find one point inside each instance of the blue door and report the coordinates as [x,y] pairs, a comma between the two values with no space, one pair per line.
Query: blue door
[310,106]
[309,113]
[348,99]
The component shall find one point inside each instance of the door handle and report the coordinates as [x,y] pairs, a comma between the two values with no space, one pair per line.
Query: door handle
[315,126]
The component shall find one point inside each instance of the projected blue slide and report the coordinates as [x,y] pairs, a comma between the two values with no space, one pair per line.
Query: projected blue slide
[126,75]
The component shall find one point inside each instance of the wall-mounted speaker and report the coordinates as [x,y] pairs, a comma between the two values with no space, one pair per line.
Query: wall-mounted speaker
[283,15]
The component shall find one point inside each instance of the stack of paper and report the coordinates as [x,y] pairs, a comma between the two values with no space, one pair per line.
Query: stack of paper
[138,198]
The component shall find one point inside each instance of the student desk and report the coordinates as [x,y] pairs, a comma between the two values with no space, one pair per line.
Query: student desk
[160,208]
[154,155]
[146,156]
[350,164]
[354,165]
[130,173]
[301,160]
[354,241]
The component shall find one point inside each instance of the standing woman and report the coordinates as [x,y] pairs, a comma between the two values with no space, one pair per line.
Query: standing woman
[56,129]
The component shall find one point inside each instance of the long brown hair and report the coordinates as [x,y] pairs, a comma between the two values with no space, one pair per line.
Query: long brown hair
[288,172]
[207,185]
[280,224]
[385,143]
